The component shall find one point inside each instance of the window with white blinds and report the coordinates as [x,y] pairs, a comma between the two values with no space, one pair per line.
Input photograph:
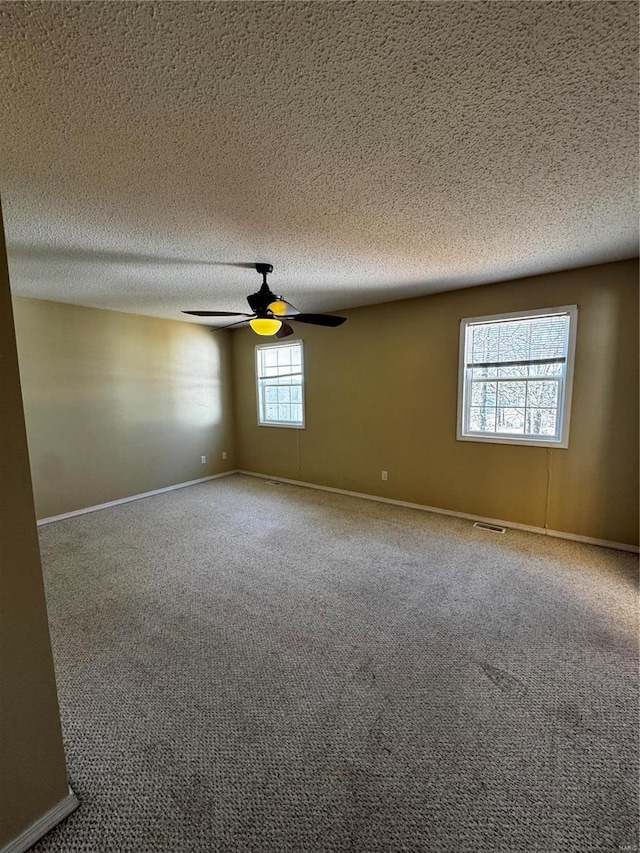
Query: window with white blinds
[516,374]
[280,381]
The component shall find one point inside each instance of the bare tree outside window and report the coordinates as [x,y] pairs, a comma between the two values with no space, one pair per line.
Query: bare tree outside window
[514,376]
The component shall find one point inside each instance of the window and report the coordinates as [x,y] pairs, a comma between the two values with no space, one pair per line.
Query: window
[280,384]
[516,373]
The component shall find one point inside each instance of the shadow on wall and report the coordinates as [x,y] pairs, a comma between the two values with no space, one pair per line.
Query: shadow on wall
[604,418]
[195,381]
[620,348]
[118,404]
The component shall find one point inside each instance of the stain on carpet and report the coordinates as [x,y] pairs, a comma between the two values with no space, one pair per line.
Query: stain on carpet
[503,680]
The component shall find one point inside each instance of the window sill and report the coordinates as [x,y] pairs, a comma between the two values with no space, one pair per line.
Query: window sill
[519,440]
[282,426]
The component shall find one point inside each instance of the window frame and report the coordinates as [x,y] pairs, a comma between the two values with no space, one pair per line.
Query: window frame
[279,424]
[565,390]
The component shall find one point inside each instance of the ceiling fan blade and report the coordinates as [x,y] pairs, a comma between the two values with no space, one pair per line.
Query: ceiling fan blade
[284,331]
[317,319]
[229,325]
[217,313]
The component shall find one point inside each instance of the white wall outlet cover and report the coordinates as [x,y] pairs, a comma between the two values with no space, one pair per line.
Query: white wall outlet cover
[224,454]
[203,459]
[384,475]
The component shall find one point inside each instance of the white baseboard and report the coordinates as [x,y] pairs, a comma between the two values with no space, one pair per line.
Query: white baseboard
[43,825]
[97,507]
[558,534]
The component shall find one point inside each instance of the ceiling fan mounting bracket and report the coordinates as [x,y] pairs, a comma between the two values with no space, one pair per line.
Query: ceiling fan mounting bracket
[263,269]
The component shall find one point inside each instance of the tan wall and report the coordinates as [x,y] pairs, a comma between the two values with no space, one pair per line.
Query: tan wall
[118,404]
[381,393]
[33,777]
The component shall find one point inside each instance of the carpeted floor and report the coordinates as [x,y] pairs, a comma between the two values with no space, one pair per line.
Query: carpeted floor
[248,667]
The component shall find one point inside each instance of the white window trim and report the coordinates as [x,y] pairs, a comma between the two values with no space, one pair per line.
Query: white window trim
[567,390]
[279,424]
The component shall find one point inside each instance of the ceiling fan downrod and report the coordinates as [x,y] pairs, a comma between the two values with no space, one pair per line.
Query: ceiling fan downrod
[261,300]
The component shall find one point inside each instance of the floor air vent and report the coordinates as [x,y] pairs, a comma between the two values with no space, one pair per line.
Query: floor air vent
[273,483]
[494,527]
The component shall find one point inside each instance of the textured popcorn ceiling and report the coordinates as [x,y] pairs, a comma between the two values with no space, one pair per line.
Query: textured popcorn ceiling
[369,150]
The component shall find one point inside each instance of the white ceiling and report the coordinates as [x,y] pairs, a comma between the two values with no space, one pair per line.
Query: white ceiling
[368,150]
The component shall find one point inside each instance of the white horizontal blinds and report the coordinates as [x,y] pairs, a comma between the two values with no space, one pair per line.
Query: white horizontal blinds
[280,384]
[515,371]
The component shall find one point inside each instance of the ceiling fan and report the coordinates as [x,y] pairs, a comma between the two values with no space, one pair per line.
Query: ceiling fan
[270,312]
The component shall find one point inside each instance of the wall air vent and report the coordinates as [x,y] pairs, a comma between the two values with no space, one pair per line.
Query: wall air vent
[494,527]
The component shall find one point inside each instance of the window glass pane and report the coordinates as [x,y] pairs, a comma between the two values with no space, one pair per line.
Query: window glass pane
[284,356]
[549,336]
[271,394]
[284,412]
[483,343]
[271,412]
[540,393]
[541,422]
[515,338]
[546,369]
[270,357]
[483,394]
[533,338]
[283,394]
[510,420]
[482,419]
[512,393]
[296,413]
[513,370]
[484,372]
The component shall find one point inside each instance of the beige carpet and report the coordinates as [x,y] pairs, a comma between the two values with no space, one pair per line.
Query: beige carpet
[270,669]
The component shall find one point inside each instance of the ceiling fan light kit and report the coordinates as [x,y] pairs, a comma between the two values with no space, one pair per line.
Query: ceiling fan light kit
[265,325]
[279,307]
[270,312]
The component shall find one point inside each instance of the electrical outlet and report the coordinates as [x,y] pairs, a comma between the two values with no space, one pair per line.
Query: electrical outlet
[224,454]
[203,459]
[384,475]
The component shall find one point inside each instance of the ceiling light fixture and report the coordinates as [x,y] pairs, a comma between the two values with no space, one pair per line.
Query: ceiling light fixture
[271,313]
[265,325]
[279,307]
